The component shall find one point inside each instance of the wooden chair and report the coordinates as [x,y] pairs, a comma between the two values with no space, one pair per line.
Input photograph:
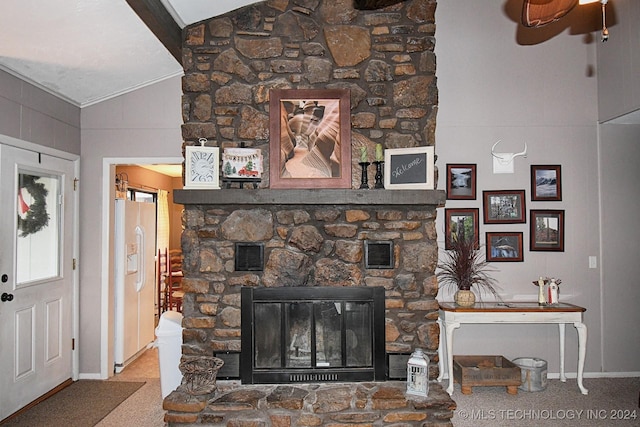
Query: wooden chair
[174,292]
[161,275]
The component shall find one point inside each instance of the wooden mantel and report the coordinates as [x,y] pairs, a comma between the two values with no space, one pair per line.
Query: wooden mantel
[309,197]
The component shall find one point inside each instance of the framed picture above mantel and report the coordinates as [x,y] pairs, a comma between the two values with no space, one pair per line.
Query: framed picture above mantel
[310,138]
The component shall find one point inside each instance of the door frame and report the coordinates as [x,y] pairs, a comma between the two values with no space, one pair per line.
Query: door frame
[107,290]
[75,226]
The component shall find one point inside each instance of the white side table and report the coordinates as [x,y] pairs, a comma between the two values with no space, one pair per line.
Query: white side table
[452,316]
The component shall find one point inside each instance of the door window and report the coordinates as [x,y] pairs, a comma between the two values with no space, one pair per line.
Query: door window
[38,235]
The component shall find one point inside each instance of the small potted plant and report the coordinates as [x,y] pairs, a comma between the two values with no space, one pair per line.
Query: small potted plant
[465,268]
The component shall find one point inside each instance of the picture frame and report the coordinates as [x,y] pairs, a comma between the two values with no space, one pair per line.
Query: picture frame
[310,138]
[546,183]
[546,230]
[461,181]
[504,247]
[201,167]
[409,168]
[242,163]
[460,222]
[504,207]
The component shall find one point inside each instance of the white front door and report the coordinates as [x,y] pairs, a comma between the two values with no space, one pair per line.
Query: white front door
[36,275]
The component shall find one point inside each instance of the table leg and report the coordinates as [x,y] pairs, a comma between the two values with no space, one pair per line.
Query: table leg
[561,328]
[582,348]
[440,351]
[448,328]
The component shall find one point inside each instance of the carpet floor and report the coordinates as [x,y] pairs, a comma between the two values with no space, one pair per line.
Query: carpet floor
[83,404]
[610,402]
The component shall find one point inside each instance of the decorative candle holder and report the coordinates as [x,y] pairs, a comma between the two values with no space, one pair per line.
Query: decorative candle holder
[364,180]
[379,184]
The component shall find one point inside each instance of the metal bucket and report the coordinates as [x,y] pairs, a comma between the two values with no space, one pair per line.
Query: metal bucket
[534,373]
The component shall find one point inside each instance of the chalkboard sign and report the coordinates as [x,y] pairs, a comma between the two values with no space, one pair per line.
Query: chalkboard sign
[409,168]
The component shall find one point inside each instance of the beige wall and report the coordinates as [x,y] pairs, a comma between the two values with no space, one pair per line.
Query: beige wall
[620,156]
[144,124]
[492,87]
[31,114]
[619,62]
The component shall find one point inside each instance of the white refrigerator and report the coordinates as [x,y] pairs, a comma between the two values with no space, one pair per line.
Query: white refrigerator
[135,241]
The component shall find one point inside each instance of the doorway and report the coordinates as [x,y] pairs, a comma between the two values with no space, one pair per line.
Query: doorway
[144,176]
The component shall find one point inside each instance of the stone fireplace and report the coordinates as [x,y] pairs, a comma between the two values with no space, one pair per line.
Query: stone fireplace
[312,238]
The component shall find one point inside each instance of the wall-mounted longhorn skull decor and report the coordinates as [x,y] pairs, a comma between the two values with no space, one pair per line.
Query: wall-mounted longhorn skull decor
[503,162]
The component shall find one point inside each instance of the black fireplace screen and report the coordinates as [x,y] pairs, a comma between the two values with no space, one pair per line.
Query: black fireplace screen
[312,334]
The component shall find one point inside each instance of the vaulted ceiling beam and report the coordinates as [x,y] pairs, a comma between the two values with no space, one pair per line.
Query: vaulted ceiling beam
[161,23]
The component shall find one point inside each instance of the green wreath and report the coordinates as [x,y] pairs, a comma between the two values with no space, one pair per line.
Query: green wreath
[37,217]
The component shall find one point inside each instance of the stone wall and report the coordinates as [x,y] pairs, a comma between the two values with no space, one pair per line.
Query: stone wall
[384,57]
[310,242]
[356,404]
[309,246]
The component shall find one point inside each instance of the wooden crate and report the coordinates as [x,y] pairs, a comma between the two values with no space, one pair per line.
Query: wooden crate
[471,371]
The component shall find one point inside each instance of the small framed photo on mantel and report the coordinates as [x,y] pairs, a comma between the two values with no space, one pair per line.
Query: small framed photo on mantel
[201,167]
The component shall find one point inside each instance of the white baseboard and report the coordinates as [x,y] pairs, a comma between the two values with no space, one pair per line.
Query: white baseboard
[90,377]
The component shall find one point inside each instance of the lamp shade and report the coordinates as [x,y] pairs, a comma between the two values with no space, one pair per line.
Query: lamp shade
[536,13]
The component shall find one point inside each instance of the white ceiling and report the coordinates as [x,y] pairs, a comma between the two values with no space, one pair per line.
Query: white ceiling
[87,51]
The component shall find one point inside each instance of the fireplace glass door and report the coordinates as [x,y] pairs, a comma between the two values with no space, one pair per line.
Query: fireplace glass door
[319,336]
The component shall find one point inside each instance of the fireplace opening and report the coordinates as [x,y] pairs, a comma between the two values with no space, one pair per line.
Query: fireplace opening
[312,334]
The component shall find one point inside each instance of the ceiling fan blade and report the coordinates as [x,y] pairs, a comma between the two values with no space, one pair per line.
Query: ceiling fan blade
[536,13]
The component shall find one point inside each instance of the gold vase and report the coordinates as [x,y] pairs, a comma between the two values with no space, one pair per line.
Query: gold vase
[464,298]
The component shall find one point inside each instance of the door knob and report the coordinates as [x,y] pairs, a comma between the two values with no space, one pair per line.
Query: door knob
[6,297]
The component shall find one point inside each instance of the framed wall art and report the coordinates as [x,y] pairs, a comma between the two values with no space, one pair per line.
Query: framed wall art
[310,138]
[504,247]
[409,168]
[547,230]
[242,163]
[202,167]
[461,224]
[461,181]
[504,207]
[546,183]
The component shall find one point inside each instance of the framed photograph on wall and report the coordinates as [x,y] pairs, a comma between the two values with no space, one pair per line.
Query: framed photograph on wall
[461,181]
[461,224]
[310,138]
[504,207]
[546,183]
[201,167]
[409,168]
[547,230]
[504,247]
